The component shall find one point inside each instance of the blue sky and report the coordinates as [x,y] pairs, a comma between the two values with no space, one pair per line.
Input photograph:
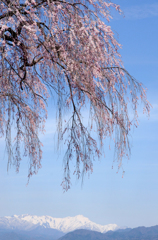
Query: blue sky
[105,197]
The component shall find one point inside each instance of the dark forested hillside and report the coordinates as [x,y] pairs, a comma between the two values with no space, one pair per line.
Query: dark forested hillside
[140,233]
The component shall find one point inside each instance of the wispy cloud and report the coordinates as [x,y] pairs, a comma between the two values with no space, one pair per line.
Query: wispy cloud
[140,12]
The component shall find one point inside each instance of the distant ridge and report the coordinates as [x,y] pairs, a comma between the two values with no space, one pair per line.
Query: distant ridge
[32,227]
[140,233]
[65,225]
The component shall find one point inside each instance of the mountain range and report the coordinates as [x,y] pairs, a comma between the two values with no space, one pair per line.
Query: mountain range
[31,227]
[68,224]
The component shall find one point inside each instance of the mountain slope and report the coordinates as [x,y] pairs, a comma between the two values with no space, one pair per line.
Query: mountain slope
[68,224]
[38,233]
[140,233]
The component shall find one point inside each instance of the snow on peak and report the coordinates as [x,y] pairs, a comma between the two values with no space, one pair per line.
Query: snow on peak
[65,225]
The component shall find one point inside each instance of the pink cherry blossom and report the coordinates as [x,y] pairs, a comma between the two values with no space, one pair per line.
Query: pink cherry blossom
[65,49]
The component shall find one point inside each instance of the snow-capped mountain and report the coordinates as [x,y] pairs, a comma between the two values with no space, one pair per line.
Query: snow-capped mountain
[65,225]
